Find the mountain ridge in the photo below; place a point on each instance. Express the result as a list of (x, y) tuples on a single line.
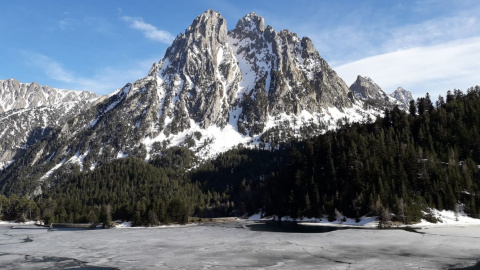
[(29, 111)]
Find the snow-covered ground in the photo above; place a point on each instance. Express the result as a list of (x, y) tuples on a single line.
[(448, 217), (232, 245), (445, 218), (340, 221)]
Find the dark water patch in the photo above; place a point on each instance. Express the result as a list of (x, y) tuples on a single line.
[(293, 227), (29, 227), (71, 229), (95, 268), (299, 227), (74, 225)]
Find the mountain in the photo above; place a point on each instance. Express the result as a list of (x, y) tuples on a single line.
[(16, 95), (30, 111), (365, 88), (371, 94), (213, 90), (402, 95), (264, 96)]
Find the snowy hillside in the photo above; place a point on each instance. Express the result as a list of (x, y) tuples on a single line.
[(29, 112)]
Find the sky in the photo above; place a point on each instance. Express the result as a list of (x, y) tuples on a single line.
[(420, 45)]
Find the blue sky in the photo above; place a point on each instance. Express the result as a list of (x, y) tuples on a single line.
[(421, 45)]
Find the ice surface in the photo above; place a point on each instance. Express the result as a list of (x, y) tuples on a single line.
[(232, 245)]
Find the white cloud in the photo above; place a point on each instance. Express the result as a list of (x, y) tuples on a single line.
[(432, 32), (150, 31), (52, 69), (434, 69), (357, 36), (98, 24), (104, 80)]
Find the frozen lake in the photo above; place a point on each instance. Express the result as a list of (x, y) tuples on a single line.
[(234, 245)]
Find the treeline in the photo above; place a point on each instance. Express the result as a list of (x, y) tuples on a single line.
[(126, 189), (18, 208)]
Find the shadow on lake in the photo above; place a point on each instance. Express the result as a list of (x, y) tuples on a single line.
[(299, 227), (293, 227)]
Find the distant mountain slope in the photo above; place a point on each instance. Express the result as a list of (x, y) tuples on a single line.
[(30, 111), (16, 95), (402, 95), (367, 90)]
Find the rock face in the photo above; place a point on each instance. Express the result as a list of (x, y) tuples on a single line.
[(198, 76), (281, 73), (213, 89), (365, 88), (402, 95)]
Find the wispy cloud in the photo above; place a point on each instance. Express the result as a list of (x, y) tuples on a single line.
[(353, 38), (433, 69), (52, 69), (104, 80), (97, 24), (432, 32), (148, 30)]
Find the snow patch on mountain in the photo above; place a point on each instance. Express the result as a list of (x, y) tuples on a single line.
[(5, 164), (78, 158)]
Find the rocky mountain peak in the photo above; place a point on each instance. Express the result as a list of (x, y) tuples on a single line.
[(209, 24), (402, 95), (370, 93), (251, 22), (197, 78), (365, 88)]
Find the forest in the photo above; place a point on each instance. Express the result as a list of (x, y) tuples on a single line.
[(396, 167)]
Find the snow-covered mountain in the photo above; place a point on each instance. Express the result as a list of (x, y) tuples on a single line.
[(402, 95), (213, 89), (29, 111), (365, 89), (16, 95)]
